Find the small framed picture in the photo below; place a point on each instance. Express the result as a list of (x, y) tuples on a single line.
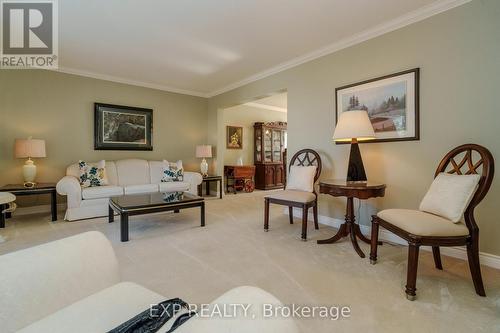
[(118, 127), (391, 102), (234, 137)]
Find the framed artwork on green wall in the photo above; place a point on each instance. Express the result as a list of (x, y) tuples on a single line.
[(392, 103), (118, 127)]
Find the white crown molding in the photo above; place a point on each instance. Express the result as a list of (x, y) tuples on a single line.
[(486, 259), (117, 79), (378, 30), (266, 107)]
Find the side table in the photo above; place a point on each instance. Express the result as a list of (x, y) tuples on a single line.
[(351, 190), (39, 188), (207, 180)]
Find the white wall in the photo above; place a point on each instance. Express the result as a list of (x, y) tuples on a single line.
[(245, 116)]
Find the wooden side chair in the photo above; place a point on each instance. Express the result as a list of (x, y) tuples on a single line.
[(304, 199), (424, 229)]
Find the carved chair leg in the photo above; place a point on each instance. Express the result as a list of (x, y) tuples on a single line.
[(475, 268), (411, 277), (266, 214), (290, 214), (315, 214), (374, 241), (304, 222), (437, 257)]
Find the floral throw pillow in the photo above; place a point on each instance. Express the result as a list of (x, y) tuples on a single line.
[(172, 172), (92, 174)]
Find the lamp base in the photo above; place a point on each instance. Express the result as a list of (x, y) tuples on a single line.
[(204, 168), (356, 170), (29, 172)]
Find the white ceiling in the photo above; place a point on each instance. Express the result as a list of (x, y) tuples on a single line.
[(276, 102), (204, 47)]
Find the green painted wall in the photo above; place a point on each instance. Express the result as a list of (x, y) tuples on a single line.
[(458, 52), (59, 108)]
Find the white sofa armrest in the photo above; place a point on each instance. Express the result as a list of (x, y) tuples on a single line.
[(70, 187), (194, 179), (41, 280), (256, 320)]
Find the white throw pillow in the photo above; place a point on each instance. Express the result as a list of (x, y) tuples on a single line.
[(301, 178), (449, 195), (172, 172)]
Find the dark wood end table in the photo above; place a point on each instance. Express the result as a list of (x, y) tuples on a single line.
[(207, 180), (39, 188), (351, 190)]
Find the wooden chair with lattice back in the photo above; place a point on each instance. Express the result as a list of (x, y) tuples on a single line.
[(297, 198), (424, 229)]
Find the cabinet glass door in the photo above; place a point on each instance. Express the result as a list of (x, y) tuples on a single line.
[(258, 145), (276, 146), (268, 148)]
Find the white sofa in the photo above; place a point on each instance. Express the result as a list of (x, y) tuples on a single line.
[(73, 285), (130, 176)]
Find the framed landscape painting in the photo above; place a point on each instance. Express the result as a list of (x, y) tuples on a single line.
[(391, 102), (118, 127), (234, 137)]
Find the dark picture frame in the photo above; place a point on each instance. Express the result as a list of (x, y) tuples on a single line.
[(234, 137), (395, 118), (119, 127)]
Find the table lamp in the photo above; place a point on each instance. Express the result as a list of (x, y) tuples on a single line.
[(204, 151), (29, 148), (353, 126)]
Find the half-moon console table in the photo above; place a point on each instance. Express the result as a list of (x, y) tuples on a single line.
[(351, 190)]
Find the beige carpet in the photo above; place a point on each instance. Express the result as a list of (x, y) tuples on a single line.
[(172, 255)]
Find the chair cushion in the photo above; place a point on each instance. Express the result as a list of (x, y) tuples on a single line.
[(449, 195), (138, 189), (174, 186), (301, 178), (98, 192), (422, 223), (6, 197), (99, 312), (256, 320), (293, 195)]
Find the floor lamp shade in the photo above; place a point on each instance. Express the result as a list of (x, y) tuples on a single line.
[(353, 126), (29, 148), (204, 151)]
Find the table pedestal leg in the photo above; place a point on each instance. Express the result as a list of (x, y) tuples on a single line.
[(349, 228)]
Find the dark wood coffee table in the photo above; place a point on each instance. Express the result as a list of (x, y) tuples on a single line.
[(140, 204)]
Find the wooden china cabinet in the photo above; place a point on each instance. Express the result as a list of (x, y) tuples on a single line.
[(270, 143)]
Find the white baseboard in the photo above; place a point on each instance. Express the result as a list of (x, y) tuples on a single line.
[(487, 259)]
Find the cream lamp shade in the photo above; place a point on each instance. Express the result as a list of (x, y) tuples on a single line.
[(203, 151), (353, 124), (28, 148)]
